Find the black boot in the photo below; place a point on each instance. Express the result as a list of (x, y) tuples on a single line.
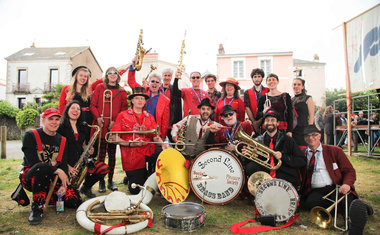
[(102, 186), (358, 217), (125, 180), (36, 215), (111, 186), (87, 191)]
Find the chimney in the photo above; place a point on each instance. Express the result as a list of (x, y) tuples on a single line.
[(33, 46), (316, 57), (151, 56), (221, 49)]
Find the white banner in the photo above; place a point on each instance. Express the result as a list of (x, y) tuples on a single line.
[(363, 50)]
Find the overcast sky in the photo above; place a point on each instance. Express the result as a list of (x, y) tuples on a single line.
[(111, 29)]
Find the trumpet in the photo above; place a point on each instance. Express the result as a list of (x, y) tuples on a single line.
[(322, 217), (254, 151), (109, 139)]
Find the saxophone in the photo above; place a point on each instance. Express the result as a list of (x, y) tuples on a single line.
[(81, 165), (180, 61), (140, 52), (180, 145)]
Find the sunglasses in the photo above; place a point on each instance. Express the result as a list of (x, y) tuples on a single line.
[(155, 81), (311, 135), (227, 114), (109, 73), (196, 77)]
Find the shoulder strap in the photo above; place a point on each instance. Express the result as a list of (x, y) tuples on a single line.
[(61, 149), (40, 149)]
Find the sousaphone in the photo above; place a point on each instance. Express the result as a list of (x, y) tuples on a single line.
[(172, 176)]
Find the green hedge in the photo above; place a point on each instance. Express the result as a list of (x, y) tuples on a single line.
[(42, 108), (26, 118), (7, 109)]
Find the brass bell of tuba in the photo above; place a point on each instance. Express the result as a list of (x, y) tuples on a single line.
[(255, 151)]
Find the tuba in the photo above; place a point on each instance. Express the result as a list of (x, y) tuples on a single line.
[(81, 164), (255, 151), (140, 52)]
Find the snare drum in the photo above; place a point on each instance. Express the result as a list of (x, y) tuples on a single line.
[(183, 217), (216, 176), (277, 197)]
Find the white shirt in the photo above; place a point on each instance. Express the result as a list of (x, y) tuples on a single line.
[(320, 177)]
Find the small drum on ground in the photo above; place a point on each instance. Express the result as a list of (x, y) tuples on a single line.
[(277, 197), (183, 217), (216, 176)]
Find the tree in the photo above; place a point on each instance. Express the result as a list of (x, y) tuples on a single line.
[(53, 96)]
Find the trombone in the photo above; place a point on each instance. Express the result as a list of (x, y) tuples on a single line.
[(322, 217), (107, 98), (108, 136)]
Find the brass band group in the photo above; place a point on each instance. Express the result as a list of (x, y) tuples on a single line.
[(264, 137)]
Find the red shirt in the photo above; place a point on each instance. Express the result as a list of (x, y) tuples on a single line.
[(191, 100), (237, 104), (251, 98), (133, 158)]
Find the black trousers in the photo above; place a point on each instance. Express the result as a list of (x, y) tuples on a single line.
[(314, 198)]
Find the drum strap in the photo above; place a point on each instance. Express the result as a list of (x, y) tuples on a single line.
[(237, 228)]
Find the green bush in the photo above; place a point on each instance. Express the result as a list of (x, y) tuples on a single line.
[(7, 109), (42, 108), (30, 105), (26, 118)]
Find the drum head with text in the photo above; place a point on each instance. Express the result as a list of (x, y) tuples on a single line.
[(216, 176), (277, 197)]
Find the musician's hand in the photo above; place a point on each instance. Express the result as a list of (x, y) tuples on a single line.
[(63, 177), (244, 150), (62, 190), (175, 139), (345, 188), (277, 155), (265, 110), (138, 144), (165, 146), (134, 61), (100, 121), (178, 74), (230, 147), (214, 128), (72, 171), (53, 163), (111, 125), (289, 134)]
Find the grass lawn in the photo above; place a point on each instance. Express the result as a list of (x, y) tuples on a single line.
[(13, 218)]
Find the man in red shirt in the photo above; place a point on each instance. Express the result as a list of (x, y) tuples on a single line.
[(193, 96), (251, 96)]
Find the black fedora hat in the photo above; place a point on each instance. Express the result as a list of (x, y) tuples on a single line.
[(139, 90), (311, 129), (81, 67), (207, 102), (227, 109), (271, 113)]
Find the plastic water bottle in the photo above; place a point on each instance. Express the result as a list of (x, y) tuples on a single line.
[(60, 204)]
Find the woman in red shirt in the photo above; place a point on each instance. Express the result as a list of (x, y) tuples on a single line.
[(230, 95)]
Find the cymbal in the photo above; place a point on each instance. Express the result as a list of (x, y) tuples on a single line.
[(256, 179)]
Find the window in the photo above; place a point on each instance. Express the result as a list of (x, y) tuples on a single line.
[(266, 65), (238, 69), (53, 78), (21, 102), (21, 83)]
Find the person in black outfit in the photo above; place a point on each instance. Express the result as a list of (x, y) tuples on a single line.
[(304, 106), (73, 129), (285, 149), (45, 156)]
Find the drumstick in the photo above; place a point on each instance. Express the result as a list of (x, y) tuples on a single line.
[(51, 189), (220, 127)]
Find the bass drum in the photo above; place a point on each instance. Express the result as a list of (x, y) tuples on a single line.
[(277, 197), (216, 176)]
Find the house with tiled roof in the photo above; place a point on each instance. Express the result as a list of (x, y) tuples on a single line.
[(31, 72)]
